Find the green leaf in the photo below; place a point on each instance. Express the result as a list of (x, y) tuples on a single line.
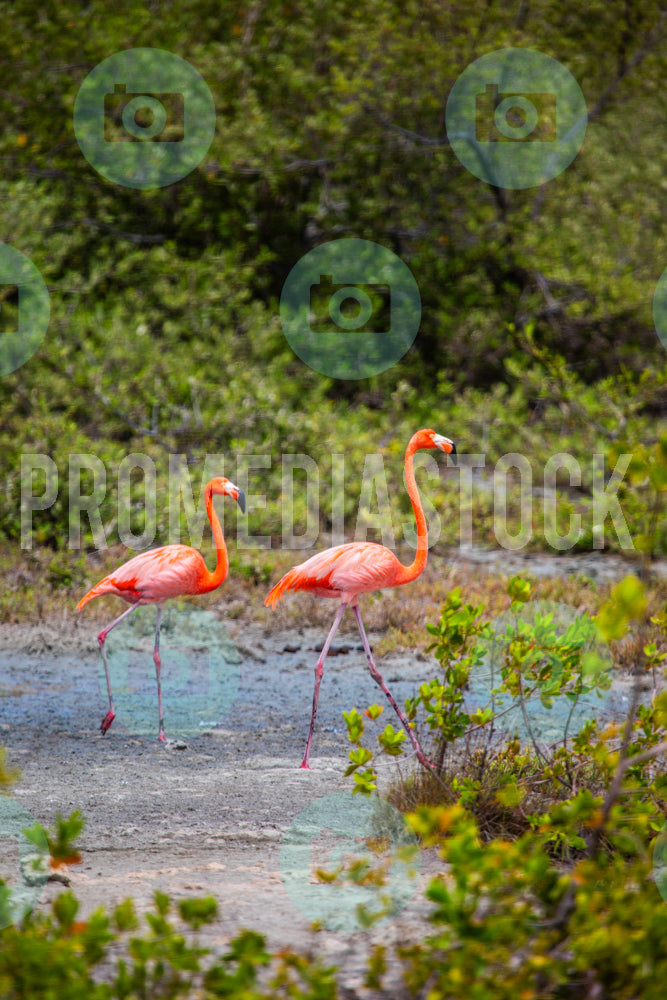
[(355, 725), (124, 916), (627, 602), (510, 795), (162, 902), (65, 909), (196, 912), (660, 710), (519, 589)]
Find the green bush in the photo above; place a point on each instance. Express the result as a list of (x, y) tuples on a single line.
[(551, 887)]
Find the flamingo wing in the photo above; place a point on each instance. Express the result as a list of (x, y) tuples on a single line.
[(155, 575), (353, 568)]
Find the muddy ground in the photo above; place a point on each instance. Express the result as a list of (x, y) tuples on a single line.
[(208, 812)]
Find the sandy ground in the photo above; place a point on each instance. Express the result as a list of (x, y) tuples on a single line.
[(209, 812), (213, 810)]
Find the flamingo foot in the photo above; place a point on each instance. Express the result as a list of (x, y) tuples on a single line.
[(305, 765), (106, 721), (162, 738)]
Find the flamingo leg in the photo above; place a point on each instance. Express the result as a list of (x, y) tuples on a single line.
[(319, 670), (102, 638), (377, 677), (158, 664)]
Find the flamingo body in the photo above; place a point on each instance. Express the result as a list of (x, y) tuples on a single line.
[(346, 571), (155, 576)]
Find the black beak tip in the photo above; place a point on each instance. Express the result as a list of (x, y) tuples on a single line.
[(453, 454), (241, 501)]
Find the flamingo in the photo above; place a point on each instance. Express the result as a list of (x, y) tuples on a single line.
[(345, 571), (154, 576)]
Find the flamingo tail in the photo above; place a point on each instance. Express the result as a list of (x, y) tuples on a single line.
[(290, 581), (107, 586)]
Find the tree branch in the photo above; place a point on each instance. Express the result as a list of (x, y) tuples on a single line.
[(651, 40)]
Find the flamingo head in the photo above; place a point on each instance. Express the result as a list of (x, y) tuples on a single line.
[(227, 487), (429, 439)]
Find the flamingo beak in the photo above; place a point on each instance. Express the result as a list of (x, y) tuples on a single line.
[(445, 445), (231, 490)]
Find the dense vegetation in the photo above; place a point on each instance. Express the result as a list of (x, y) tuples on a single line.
[(537, 333)]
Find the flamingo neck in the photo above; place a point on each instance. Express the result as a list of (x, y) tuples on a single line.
[(219, 574), (412, 571)]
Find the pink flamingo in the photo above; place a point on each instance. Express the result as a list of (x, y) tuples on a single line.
[(346, 571), (154, 576)]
